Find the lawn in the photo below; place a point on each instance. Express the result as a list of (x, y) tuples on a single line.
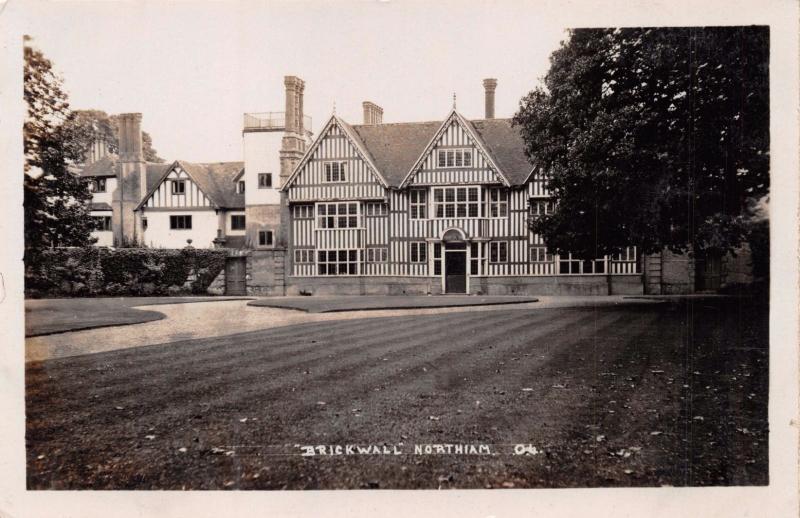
[(668, 394), (49, 316)]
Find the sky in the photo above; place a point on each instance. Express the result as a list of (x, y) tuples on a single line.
[(192, 69)]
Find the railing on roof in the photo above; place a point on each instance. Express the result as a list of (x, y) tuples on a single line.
[(271, 121)]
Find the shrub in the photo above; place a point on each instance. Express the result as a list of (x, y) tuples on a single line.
[(93, 271)]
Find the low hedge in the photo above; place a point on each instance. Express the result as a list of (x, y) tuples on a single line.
[(90, 271)]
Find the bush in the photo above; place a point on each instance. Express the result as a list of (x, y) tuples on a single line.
[(76, 272)]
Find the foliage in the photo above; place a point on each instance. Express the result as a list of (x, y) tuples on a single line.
[(56, 200), (653, 137), (90, 271), (97, 124)]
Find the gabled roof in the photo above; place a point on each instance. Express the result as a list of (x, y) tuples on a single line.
[(455, 116), (106, 166), (216, 180), (504, 142), (354, 138)]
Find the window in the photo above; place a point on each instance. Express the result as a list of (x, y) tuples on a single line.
[(178, 186), (377, 255), (240, 187), (102, 223), (541, 207), (264, 180), (303, 211), (437, 258), (419, 205), (539, 254), (180, 222), (567, 265), (144, 223), (237, 222), (456, 202), (337, 262), (454, 158), (377, 209), (474, 258), (498, 203), (335, 171), (304, 256), (99, 185), (498, 252), (419, 251), (337, 215), (264, 238)]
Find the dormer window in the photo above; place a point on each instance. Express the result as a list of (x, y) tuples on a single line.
[(240, 187), (179, 187), (454, 158), (335, 171)]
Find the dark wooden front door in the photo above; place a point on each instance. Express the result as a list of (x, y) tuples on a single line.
[(708, 271), (235, 271), (455, 271)]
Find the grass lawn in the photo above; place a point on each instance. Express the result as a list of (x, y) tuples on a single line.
[(367, 302), (48, 316), (647, 395)]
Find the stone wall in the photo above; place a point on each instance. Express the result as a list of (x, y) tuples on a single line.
[(557, 285), (677, 273), (266, 272)]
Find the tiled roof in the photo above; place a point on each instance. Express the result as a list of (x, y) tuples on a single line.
[(100, 206), (217, 181), (396, 147), (106, 166)]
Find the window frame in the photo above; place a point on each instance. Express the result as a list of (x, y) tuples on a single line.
[(377, 255), (265, 180), (328, 171), (495, 256), (304, 255), (99, 185), (175, 190), (323, 218), (534, 256), (455, 203), (102, 223), (267, 242), (499, 203), (175, 218), (454, 158), (240, 187), (418, 252), (376, 209), (418, 208), (303, 211), (333, 257), (235, 217), (549, 207)]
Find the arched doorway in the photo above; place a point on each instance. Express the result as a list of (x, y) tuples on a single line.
[(455, 262)]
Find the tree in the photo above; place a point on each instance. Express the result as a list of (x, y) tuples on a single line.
[(56, 200), (651, 137), (99, 124)]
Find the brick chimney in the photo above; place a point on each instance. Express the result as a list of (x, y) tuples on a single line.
[(373, 114), (293, 144), (489, 86), (132, 180)]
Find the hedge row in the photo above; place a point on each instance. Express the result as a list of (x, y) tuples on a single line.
[(75, 272)]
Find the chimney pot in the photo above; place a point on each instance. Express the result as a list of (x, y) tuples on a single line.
[(489, 86)]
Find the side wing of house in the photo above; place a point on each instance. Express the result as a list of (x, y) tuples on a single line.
[(177, 210)]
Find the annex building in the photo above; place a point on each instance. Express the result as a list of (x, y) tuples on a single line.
[(433, 207)]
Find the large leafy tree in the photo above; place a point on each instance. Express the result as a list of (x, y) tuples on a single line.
[(652, 137), (100, 125), (56, 200)]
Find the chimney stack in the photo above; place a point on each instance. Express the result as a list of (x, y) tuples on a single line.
[(373, 114), (130, 137), (293, 143), (489, 86)]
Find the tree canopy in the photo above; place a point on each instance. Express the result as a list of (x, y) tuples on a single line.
[(656, 137), (56, 200), (99, 124)]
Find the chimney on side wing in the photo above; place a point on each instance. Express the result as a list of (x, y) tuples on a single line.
[(373, 114), (489, 86)]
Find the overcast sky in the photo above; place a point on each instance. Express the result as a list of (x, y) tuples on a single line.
[(193, 69)]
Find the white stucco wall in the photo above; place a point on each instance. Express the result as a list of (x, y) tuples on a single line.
[(262, 155), (228, 230), (202, 233), (105, 197), (104, 237)]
